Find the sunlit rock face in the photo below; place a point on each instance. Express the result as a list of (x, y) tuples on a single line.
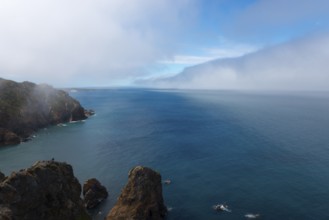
[(141, 198), (26, 107), (47, 190)]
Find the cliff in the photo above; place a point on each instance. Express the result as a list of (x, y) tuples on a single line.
[(141, 199), (47, 190), (26, 107)]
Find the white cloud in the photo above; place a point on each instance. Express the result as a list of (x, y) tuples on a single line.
[(101, 42), (226, 49), (297, 65), (84, 41), (187, 59)]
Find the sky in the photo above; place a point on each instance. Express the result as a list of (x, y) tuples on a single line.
[(194, 44)]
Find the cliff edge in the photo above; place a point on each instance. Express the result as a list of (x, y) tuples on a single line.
[(26, 107), (141, 199), (47, 190)]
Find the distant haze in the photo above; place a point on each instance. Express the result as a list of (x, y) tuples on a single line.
[(86, 42), (296, 65), (254, 44)]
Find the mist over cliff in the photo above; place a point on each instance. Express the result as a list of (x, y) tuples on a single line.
[(25, 107)]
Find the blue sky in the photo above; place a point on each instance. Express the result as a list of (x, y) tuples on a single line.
[(117, 42)]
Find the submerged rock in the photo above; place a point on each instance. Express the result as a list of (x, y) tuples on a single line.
[(141, 199), (93, 193), (47, 190)]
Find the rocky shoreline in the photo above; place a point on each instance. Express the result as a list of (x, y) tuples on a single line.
[(26, 107), (49, 190)]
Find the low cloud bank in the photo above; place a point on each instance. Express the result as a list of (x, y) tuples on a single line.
[(297, 65), (89, 42)]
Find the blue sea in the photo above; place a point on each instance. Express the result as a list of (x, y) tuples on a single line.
[(257, 152)]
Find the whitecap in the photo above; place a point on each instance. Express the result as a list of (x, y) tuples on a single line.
[(250, 215)]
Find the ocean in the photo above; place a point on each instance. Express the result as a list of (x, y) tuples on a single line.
[(257, 152)]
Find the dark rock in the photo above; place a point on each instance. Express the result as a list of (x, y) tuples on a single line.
[(47, 190), (141, 199), (2, 176), (26, 107), (8, 137), (93, 193)]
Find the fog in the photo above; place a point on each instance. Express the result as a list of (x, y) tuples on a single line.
[(90, 43), (87, 42), (297, 65)]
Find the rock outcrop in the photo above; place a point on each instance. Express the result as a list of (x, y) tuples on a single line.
[(93, 193), (26, 107), (47, 190), (2, 176), (8, 137), (141, 199)]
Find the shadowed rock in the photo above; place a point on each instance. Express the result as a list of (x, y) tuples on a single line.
[(141, 199), (47, 190), (8, 138), (26, 107), (93, 193), (2, 176)]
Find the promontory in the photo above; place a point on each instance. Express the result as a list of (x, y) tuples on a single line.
[(26, 107)]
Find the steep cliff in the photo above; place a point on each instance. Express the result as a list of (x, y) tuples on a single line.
[(47, 190), (25, 107), (141, 199)]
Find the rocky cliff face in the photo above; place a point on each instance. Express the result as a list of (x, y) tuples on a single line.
[(47, 190), (141, 199), (26, 107), (2, 176)]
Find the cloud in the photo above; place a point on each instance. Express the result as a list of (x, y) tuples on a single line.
[(296, 65), (101, 42), (228, 49), (84, 41)]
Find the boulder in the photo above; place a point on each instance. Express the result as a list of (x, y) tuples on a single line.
[(47, 190), (93, 193), (141, 199)]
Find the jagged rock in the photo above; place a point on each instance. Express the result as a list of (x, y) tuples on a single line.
[(47, 190), (26, 107), (93, 193), (2, 176), (141, 199)]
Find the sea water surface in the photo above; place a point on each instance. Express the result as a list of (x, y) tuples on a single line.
[(265, 153)]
